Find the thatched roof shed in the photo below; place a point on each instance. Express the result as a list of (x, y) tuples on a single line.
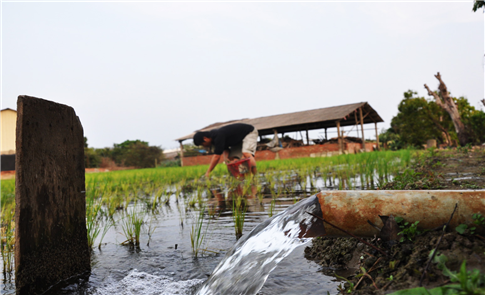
[(331, 117)]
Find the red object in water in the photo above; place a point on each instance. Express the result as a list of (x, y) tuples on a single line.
[(239, 169)]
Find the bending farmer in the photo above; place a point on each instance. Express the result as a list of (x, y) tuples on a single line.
[(229, 141)]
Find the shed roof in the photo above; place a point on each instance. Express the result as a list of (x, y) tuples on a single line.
[(304, 120)]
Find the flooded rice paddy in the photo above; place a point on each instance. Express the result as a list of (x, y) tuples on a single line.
[(164, 230)]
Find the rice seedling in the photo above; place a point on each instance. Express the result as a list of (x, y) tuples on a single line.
[(92, 225), (131, 225), (238, 214), (106, 226), (303, 182), (151, 229), (181, 215), (272, 207), (7, 238), (197, 232), (154, 202)]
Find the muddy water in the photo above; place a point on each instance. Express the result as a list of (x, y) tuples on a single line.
[(164, 263)]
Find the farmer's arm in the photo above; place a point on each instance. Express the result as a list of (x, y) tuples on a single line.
[(215, 159)]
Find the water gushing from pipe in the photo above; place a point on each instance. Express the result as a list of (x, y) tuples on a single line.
[(248, 264)]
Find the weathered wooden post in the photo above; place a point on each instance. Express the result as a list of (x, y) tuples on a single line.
[(339, 140), (50, 213), (181, 154), (377, 137), (307, 137), (362, 127)]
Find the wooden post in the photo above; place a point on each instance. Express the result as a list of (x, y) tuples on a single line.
[(307, 137), (326, 134), (181, 154), (51, 242), (362, 128), (377, 138), (342, 142), (277, 138), (356, 123), (338, 136)]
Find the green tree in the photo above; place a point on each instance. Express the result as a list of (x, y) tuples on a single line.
[(478, 4), (142, 155), (136, 153), (420, 119), (120, 149), (473, 119), (91, 158), (416, 120)]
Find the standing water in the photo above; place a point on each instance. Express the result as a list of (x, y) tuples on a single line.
[(244, 269), (164, 264), (248, 264)]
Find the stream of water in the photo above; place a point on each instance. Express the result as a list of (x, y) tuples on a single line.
[(248, 264)]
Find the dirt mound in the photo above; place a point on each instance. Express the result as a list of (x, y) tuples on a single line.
[(366, 271), (404, 265)]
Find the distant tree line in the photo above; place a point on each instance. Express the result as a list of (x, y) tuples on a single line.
[(420, 119), (130, 153)]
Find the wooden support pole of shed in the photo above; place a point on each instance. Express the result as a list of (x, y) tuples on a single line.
[(307, 137), (338, 136), (277, 138), (326, 134), (181, 154), (377, 137), (356, 123), (362, 128), (342, 143)]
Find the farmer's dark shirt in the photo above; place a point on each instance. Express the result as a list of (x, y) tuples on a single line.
[(229, 135)]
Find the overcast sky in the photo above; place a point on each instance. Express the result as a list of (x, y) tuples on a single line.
[(157, 71)]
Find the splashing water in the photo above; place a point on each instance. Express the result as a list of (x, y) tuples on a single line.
[(248, 264), (138, 282)]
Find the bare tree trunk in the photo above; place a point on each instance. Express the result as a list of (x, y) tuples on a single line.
[(444, 100)]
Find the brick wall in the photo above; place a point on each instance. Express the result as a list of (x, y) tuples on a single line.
[(198, 160), (288, 153)]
